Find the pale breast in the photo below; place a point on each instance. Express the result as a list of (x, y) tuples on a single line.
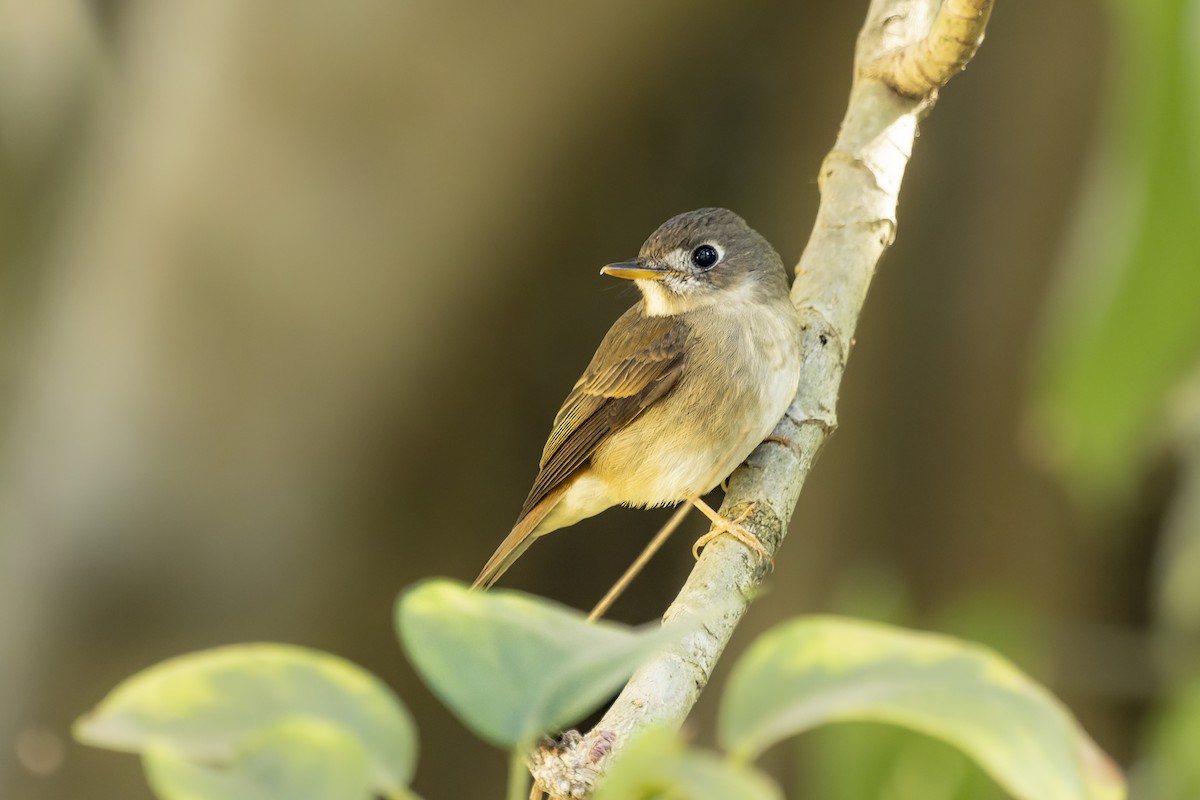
[(740, 374)]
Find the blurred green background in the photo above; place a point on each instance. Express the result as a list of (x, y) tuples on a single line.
[(290, 292)]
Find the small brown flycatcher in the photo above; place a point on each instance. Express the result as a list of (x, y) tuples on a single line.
[(685, 384)]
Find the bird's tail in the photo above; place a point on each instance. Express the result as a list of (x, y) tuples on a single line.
[(517, 541)]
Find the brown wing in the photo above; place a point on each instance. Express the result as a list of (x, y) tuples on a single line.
[(638, 362)]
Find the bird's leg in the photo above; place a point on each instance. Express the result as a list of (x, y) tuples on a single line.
[(638, 563), (731, 526)]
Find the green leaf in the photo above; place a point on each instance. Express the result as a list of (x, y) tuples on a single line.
[(824, 669), (857, 760), (513, 666), (207, 705), (658, 765), (300, 759), (173, 777)]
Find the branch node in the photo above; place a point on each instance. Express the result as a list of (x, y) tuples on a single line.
[(820, 332), (919, 69), (564, 768)]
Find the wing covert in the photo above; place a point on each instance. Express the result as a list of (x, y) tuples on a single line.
[(638, 362)]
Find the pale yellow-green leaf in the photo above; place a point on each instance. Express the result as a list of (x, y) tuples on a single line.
[(513, 666), (173, 777), (207, 705), (298, 759), (816, 670)]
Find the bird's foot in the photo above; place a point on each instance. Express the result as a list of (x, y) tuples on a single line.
[(733, 527)]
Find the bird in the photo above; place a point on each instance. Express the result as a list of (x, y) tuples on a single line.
[(682, 388)]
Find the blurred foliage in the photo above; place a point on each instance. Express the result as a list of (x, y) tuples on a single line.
[(658, 765), (515, 667), (298, 759), (1172, 772), (1117, 393), (290, 724), (1125, 331), (815, 670), (871, 761), (273, 717), (1177, 578)]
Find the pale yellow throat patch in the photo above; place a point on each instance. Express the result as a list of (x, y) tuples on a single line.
[(659, 301), (662, 302)]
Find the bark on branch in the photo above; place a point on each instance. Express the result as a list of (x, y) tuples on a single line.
[(919, 69), (906, 50)]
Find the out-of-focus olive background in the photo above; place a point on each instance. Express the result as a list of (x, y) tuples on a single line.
[(290, 293)]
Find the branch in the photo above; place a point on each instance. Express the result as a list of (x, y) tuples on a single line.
[(901, 59), (918, 70)]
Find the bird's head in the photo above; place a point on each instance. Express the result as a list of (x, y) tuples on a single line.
[(700, 258)]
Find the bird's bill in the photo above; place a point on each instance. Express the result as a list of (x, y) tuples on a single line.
[(634, 271)]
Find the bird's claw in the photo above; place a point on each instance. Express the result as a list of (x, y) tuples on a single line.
[(734, 528), (786, 442)]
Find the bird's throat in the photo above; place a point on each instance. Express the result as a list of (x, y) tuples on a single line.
[(660, 301)]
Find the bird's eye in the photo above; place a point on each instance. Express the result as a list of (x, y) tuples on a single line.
[(705, 256)]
